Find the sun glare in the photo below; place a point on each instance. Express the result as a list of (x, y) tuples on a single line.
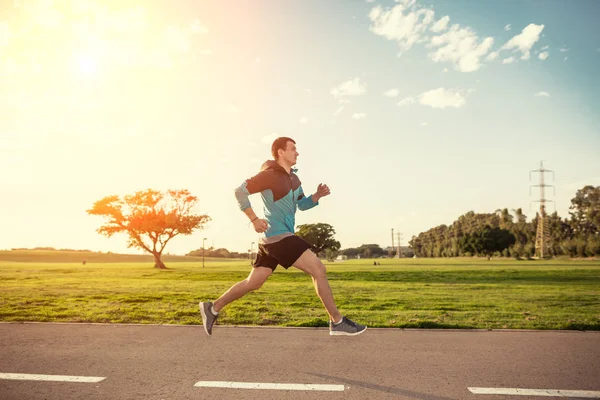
[(86, 66)]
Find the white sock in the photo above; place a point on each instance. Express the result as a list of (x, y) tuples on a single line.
[(339, 322), (212, 310)]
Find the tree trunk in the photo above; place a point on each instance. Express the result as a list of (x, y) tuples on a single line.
[(158, 262)]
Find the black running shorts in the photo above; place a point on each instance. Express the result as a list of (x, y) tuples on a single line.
[(284, 252)]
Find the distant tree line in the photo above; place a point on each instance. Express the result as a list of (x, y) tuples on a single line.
[(47, 249), (504, 234), (217, 253), (375, 251), (364, 251)]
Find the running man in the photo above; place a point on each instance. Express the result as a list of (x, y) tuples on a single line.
[(282, 193)]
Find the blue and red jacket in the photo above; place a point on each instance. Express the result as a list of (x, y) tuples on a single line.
[(281, 194)]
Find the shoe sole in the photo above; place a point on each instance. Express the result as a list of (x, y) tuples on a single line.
[(340, 333), (203, 318)]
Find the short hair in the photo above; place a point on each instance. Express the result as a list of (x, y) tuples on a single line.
[(280, 143)]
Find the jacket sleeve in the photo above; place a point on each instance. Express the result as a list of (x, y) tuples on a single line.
[(305, 203), (257, 183)]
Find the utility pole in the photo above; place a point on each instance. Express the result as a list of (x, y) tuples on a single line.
[(399, 253), (542, 236), (392, 250), (203, 240)]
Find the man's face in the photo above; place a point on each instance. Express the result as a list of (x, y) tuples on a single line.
[(290, 155)]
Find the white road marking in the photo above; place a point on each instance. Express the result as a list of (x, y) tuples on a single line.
[(588, 394), (54, 378), (272, 386)]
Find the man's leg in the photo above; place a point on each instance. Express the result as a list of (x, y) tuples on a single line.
[(310, 263), (338, 325), (210, 311), (254, 281)]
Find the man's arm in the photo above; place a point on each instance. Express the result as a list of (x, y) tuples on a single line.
[(260, 225), (306, 203), (256, 184)]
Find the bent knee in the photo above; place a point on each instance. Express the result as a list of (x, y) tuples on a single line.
[(319, 270), (253, 285)]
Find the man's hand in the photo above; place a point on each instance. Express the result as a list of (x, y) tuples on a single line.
[(260, 225), (322, 191)]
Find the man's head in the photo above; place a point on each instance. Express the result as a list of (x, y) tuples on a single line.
[(284, 151)]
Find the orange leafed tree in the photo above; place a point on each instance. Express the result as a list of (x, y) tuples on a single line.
[(150, 218)]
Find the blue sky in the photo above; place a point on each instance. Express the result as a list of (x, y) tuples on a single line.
[(412, 112)]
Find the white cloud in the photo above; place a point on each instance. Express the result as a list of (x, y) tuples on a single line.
[(545, 47), (408, 23), (508, 60), (564, 49), (445, 69), (349, 88), (525, 40), (407, 3), (344, 101), (460, 46), (442, 98), (392, 93), (441, 24), (566, 58), (303, 120), (424, 124), (370, 1), (492, 56), (339, 110), (542, 94), (270, 138), (393, 24), (406, 101), (359, 115), (543, 55), (197, 27)]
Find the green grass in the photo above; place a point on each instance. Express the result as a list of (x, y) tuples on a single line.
[(424, 293)]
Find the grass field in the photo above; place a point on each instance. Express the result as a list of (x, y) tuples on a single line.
[(426, 293)]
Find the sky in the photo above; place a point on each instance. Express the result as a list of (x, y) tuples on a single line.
[(412, 112)]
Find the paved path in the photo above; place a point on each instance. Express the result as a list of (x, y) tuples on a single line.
[(166, 362)]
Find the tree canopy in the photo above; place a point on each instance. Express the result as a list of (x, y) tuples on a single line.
[(320, 236), (149, 218), (487, 241)]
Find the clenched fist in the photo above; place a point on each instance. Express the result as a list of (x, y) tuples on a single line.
[(260, 225), (322, 191)]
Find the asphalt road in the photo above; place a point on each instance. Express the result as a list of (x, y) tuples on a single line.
[(165, 362)]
